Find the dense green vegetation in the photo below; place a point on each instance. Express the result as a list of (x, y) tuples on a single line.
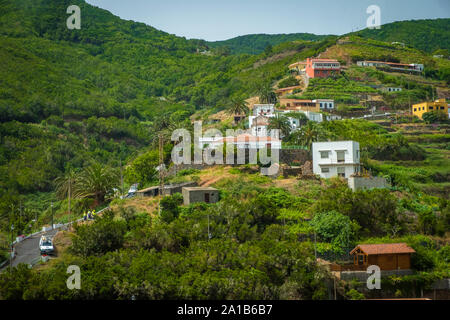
[(85, 108), (428, 35), (244, 247), (259, 43)]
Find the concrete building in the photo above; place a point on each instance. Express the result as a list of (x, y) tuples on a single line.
[(424, 107), (169, 189), (148, 192), (322, 68), (336, 158), (200, 194)]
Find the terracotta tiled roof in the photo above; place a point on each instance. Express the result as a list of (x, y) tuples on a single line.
[(386, 248), (248, 138)]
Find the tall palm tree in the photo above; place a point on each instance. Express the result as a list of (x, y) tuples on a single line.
[(65, 187), (281, 123), (266, 94), (237, 106), (96, 181), (311, 132)]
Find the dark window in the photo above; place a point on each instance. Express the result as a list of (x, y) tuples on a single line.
[(207, 197)]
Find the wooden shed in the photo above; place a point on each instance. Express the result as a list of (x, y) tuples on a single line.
[(389, 256)]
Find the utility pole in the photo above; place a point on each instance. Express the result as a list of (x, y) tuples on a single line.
[(315, 245), (70, 195), (161, 177), (121, 178), (20, 215), (209, 233), (11, 249), (51, 205)]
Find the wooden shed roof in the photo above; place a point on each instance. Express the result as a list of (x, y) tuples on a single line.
[(386, 248)]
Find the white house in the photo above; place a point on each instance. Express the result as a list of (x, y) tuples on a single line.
[(336, 158), (265, 110), (259, 126), (325, 103), (391, 89)]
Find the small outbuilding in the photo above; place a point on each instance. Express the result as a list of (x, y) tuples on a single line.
[(389, 256), (171, 189), (148, 192), (200, 194)]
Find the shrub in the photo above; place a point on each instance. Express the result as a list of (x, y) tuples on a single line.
[(104, 235)]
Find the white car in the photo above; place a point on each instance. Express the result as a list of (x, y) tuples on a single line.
[(46, 246)]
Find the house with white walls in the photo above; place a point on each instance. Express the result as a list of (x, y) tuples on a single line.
[(259, 126), (261, 110), (325, 104), (336, 158)]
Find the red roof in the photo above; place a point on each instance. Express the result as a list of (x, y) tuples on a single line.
[(386, 248), (248, 138)]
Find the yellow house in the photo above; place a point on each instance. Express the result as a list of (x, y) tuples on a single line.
[(424, 107)]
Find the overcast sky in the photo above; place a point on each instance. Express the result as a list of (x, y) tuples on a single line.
[(223, 19)]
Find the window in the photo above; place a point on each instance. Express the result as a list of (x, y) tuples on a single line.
[(431, 108), (341, 172), (324, 154), (340, 156), (325, 170), (442, 108)]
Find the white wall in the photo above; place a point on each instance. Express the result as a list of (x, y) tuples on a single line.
[(351, 160)]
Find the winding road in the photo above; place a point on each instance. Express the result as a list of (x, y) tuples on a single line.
[(27, 251)]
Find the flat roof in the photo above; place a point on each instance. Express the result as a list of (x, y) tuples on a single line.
[(200, 189), (147, 189)]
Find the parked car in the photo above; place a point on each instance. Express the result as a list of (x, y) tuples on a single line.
[(46, 246)]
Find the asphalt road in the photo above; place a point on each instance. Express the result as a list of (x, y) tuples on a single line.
[(27, 251)]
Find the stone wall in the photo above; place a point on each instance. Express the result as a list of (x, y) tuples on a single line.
[(294, 157)]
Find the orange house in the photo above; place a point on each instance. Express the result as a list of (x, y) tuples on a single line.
[(322, 68)]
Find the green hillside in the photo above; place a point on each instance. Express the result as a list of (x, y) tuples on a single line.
[(257, 43), (426, 35)]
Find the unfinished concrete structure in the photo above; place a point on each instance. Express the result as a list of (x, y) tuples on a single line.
[(168, 190), (200, 194), (367, 183), (171, 189)]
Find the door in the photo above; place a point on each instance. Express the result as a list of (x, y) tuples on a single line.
[(207, 197)]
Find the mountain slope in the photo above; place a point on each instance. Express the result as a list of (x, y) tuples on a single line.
[(257, 43), (426, 35)]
